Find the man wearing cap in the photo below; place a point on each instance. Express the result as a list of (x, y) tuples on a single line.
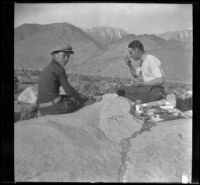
[(52, 77), (148, 78)]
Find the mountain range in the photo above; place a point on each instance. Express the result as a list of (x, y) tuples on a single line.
[(100, 50), (105, 35), (185, 35)]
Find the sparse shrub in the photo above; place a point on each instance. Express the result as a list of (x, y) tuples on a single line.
[(110, 87), (85, 88), (23, 111), (94, 90), (35, 72), (85, 78), (16, 83), (29, 112), (17, 116)]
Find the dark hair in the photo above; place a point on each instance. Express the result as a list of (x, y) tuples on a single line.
[(136, 44)]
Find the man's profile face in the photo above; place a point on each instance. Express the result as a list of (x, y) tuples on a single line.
[(62, 58), (134, 53)]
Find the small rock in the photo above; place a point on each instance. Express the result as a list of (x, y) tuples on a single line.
[(29, 95)]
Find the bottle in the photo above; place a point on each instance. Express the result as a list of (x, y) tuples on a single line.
[(133, 107), (138, 106)]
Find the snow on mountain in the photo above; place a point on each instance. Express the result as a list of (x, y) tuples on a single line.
[(185, 35), (105, 35)]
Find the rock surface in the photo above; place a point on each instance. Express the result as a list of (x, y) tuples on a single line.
[(101, 143), (115, 119), (162, 155), (29, 95), (65, 148)]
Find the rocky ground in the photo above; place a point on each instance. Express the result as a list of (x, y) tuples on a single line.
[(102, 142)]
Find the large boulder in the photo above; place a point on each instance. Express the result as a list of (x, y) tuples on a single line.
[(102, 142), (162, 155), (115, 119), (67, 147)]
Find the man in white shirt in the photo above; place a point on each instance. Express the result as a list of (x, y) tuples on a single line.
[(148, 78)]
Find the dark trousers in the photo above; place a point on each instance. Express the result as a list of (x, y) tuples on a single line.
[(143, 93), (65, 105)]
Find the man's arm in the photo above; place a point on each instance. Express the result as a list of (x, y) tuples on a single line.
[(133, 71), (69, 90), (156, 81), (131, 68)]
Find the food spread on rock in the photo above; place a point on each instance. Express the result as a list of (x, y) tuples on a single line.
[(156, 111)]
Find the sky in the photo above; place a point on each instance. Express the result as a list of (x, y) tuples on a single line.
[(137, 18)]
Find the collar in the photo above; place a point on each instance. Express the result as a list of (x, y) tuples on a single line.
[(55, 62)]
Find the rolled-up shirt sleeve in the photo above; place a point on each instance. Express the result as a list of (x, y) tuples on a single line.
[(69, 90)]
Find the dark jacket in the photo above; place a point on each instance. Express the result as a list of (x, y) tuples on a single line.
[(52, 77)]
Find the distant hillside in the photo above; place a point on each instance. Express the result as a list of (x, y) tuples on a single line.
[(33, 44), (183, 36), (105, 35), (26, 31)]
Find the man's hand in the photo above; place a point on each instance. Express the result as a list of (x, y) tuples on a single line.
[(131, 68), (135, 80), (127, 61), (138, 83), (132, 82)]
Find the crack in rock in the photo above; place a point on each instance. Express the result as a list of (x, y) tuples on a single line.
[(31, 177), (34, 176), (125, 147)]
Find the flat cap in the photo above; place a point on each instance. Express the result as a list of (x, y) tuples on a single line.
[(63, 48)]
